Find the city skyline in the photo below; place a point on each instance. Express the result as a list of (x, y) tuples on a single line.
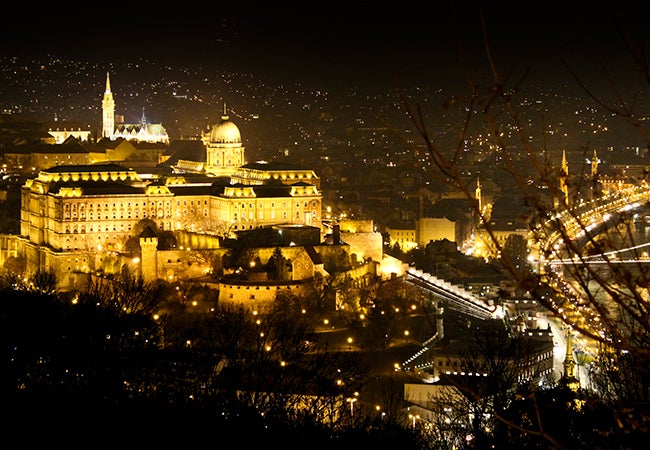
[(370, 250)]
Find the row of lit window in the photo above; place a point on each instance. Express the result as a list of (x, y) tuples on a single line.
[(82, 230), (284, 205), (82, 206), (136, 215), (261, 215)]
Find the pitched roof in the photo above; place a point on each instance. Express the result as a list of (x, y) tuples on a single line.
[(97, 188), (313, 254), (148, 232), (101, 167)]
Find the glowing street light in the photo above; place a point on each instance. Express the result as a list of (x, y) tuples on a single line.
[(351, 402), (414, 418)]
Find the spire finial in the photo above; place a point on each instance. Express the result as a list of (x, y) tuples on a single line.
[(108, 83)]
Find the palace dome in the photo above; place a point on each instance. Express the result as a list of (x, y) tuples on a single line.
[(225, 132)]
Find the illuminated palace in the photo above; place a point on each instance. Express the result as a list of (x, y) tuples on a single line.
[(76, 219)]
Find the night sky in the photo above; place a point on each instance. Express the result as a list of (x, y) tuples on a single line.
[(339, 42)]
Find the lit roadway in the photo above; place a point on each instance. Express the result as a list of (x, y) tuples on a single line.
[(580, 223), (546, 242), (546, 239)]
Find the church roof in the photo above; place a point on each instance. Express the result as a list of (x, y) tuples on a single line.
[(150, 129)]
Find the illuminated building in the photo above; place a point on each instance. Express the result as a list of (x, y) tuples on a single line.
[(81, 219), (60, 136), (32, 158), (224, 149), (113, 129), (74, 218), (403, 234), (114, 211)]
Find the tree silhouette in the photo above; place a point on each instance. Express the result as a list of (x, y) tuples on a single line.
[(261, 379), (515, 250), (43, 281), (277, 266)]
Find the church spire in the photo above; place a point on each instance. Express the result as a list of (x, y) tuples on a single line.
[(108, 111), (108, 83)]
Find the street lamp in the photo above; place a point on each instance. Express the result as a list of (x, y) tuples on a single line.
[(351, 401)]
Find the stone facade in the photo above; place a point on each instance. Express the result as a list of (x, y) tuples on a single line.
[(84, 211)]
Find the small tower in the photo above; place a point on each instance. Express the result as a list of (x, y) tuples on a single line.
[(594, 165), (569, 376), (108, 111), (149, 257), (564, 178)]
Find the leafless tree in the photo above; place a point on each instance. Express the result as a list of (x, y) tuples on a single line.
[(128, 294), (608, 304)]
